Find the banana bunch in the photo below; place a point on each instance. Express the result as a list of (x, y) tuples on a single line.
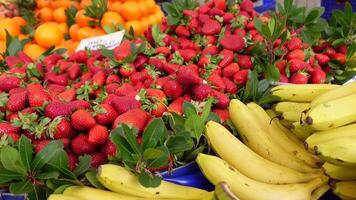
[(269, 163), (327, 124)]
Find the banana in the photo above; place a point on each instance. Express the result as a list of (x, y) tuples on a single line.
[(293, 116), (339, 172), (301, 93), (217, 170), (259, 141), (88, 193), (229, 148), (340, 151), (223, 192), (301, 131), (345, 190), (323, 136), (118, 179), (280, 137), (319, 192), (62, 197), (285, 106), (337, 93), (332, 114)]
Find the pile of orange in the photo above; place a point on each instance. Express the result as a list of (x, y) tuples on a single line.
[(52, 29)]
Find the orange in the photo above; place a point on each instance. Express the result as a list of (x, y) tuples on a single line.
[(59, 15), (99, 31), (111, 19), (85, 3), (42, 3), (158, 16), (144, 23), (136, 26), (63, 28), (2, 48), (82, 19), (73, 31), (22, 36), (34, 51), (19, 20), (151, 5), (130, 11), (116, 6), (10, 26), (151, 19), (48, 34), (45, 14), (85, 32), (144, 8)]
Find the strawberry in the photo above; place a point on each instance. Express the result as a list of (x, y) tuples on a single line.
[(54, 89), (283, 78), (14, 136), (60, 128), (136, 118), (67, 96), (98, 134), (230, 86), (109, 149), (241, 77), (244, 61), (6, 127), (341, 58), (211, 27), (182, 31), (41, 144), (24, 57), (296, 54), (217, 82), (73, 71), (211, 50), (17, 90), (156, 93), (173, 89), (281, 65), (186, 76), (99, 79), (187, 54), (57, 79), (215, 12), (72, 161), (220, 4), (80, 145), (137, 77), (97, 159), (124, 89), (123, 50), (228, 17), (318, 76), (37, 96), (230, 70), (322, 59), (17, 102), (82, 120), (232, 42), (203, 18), (157, 62), (222, 113), (158, 109), (123, 104), (51, 59), (294, 43), (55, 109), (126, 70), (112, 78), (79, 104), (177, 105), (246, 5), (329, 51), (221, 98), (193, 25), (106, 114), (9, 82), (203, 60), (239, 31), (228, 58), (163, 50), (171, 68), (299, 78), (203, 9), (201, 91), (296, 65), (342, 49)]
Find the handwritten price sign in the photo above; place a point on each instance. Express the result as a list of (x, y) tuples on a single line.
[(110, 41)]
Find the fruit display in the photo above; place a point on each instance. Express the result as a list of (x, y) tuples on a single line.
[(261, 104)]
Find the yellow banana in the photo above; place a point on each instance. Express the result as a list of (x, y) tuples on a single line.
[(280, 137), (223, 192), (118, 179), (301, 131), (340, 151), (332, 114), (337, 93), (340, 173), (229, 148), (88, 193), (323, 136), (345, 190), (319, 192), (285, 106), (259, 140), (62, 197), (217, 170), (301, 93), (293, 116)]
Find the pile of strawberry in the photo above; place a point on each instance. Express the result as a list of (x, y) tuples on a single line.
[(79, 98)]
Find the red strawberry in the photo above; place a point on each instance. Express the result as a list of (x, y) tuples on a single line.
[(281, 65), (211, 50), (99, 78), (182, 31), (221, 98), (318, 76), (211, 27), (123, 104), (15, 137), (228, 58), (9, 82), (171, 68), (123, 50), (17, 102), (60, 128), (220, 4), (296, 54), (82, 120), (239, 31), (241, 77), (187, 76), (79, 56), (217, 82), (296, 65), (37, 96), (17, 90), (247, 5), (112, 87), (322, 59), (230, 86), (80, 145), (97, 159), (106, 114), (216, 12), (112, 78), (172, 89), (187, 54), (140, 61), (127, 69), (163, 50), (24, 57), (73, 71), (283, 78), (41, 144), (342, 49), (79, 104), (232, 42), (136, 118), (109, 149), (244, 61), (124, 89), (6, 127), (203, 9), (294, 43), (201, 91), (158, 109), (55, 109), (51, 59), (98, 134), (341, 58), (72, 161), (177, 105), (157, 62), (329, 51), (67, 96), (299, 78), (203, 60), (13, 61), (230, 70), (57, 79), (137, 77), (222, 113), (54, 89)]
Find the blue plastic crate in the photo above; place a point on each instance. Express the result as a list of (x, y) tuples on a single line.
[(264, 5), (331, 5)]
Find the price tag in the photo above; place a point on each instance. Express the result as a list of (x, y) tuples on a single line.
[(110, 41)]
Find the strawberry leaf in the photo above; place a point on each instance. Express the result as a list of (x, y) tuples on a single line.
[(7, 176), (26, 151), (70, 14), (21, 187), (91, 177), (195, 126), (83, 165), (149, 180), (11, 160), (153, 133), (189, 109), (47, 154), (179, 144)]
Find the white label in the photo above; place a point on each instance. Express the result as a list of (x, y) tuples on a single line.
[(351, 80), (110, 41), (258, 3)]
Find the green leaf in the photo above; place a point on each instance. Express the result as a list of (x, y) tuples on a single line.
[(207, 109), (121, 144), (37, 193), (158, 161), (46, 154), (258, 24), (213, 117), (83, 165), (11, 160), (153, 133), (268, 99), (189, 109), (21, 187), (178, 144), (251, 89), (7, 176), (149, 180), (91, 177), (314, 14), (348, 10), (195, 126), (272, 73), (130, 136), (288, 4), (60, 159), (157, 35), (152, 153), (48, 175), (26, 151), (61, 189)]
